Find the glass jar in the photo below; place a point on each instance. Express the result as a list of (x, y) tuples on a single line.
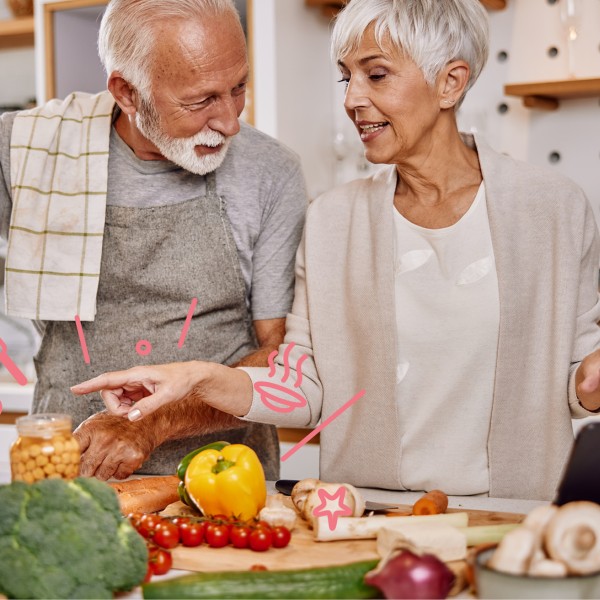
[(45, 449)]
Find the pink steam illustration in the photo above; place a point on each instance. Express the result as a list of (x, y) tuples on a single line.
[(278, 397)]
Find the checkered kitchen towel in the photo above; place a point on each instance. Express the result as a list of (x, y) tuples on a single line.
[(59, 173)]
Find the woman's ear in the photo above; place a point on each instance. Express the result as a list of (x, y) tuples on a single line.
[(123, 92), (452, 83)]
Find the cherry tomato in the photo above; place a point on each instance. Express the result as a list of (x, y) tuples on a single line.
[(281, 537), (217, 536), (147, 524), (262, 524), (148, 574), (191, 534), (161, 562), (135, 518), (240, 536), (166, 535), (260, 539)]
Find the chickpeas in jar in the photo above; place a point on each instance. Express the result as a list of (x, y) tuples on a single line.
[(45, 449)]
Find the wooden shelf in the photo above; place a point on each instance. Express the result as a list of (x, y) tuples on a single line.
[(330, 8), (16, 32), (545, 95)]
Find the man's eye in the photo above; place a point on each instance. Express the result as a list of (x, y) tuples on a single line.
[(240, 89)]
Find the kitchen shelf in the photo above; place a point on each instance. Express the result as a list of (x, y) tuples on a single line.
[(16, 32), (330, 8), (545, 95)]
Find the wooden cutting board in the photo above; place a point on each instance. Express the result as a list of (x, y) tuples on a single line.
[(303, 551)]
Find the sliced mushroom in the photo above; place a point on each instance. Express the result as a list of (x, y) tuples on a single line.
[(573, 537), (515, 551), (301, 491), (539, 517), (547, 568)]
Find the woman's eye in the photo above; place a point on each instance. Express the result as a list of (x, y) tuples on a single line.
[(344, 80), (376, 76)]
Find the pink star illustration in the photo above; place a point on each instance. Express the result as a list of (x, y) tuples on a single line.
[(332, 515)]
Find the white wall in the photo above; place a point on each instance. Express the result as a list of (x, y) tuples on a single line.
[(292, 77)]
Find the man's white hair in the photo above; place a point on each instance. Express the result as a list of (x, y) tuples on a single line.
[(127, 33), (430, 32)]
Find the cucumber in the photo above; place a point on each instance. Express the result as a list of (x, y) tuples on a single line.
[(343, 581), (185, 461)]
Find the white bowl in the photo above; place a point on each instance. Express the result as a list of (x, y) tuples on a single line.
[(495, 584)]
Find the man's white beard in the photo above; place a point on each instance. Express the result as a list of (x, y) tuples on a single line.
[(181, 151)]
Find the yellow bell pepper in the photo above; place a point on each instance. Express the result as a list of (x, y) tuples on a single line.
[(230, 481)]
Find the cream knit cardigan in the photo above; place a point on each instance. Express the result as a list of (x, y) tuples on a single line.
[(546, 247)]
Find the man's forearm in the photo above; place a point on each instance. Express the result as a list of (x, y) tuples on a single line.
[(258, 358), (187, 418)]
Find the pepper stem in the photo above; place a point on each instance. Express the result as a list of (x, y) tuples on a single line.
[(222, 465)]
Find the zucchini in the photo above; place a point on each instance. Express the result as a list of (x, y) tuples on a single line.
[(343, 581), (185, 461)]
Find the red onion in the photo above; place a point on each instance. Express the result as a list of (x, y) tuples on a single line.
[(408, 575)]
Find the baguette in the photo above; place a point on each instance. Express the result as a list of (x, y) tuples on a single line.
[(149, 494)]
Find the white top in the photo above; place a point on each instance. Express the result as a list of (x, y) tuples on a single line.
[(447, 318)]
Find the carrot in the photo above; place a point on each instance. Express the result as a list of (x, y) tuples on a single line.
[(434, 502)]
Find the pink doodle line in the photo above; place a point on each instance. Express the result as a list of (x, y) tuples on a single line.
[(84, 349), (322, 426), (10, 366), (286, 362), (187, 323)]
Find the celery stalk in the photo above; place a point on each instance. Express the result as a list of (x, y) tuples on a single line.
[(486, 534)]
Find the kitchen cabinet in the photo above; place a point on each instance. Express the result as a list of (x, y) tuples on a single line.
[(545, 95), (16, 33)]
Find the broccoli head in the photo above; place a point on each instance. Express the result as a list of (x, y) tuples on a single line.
[(66, 539)]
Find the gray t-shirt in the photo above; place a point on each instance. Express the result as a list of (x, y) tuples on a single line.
[(261, 181)]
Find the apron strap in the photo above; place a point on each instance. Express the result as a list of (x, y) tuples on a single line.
[(211, 184)]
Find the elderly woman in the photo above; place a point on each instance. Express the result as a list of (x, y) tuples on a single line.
[(456, 287)]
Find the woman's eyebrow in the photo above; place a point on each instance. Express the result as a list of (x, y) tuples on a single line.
[(365, 59)]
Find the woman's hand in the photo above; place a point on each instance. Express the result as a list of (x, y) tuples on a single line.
[(142, 390), (587, 381)]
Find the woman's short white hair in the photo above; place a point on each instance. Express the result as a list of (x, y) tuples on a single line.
[(430, 32), (127, 35)]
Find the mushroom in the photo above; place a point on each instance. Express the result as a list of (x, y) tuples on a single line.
[(305, 496), (515, 551), (573, 537), (539, 517), (301, 491), (547, 568)]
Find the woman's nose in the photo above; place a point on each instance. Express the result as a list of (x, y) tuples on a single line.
[(356, 96)]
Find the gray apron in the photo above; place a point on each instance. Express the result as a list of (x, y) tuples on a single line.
[(154, 261)]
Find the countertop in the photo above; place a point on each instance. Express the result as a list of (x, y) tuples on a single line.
[(392, 497)]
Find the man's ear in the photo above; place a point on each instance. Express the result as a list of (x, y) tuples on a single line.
[(123, 92), (452, 82)]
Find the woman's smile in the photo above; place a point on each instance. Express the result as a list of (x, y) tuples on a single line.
[(370, 130)]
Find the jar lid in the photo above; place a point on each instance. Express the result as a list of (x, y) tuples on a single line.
[(43, 424)]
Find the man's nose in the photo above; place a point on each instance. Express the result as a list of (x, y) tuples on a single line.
[(225, 119)]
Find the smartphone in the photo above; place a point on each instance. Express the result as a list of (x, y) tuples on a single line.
[(581, 477)]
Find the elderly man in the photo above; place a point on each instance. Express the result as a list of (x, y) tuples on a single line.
[(146, 224)]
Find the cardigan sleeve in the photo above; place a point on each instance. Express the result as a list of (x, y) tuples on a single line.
[(296, 385), (588, 308)]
